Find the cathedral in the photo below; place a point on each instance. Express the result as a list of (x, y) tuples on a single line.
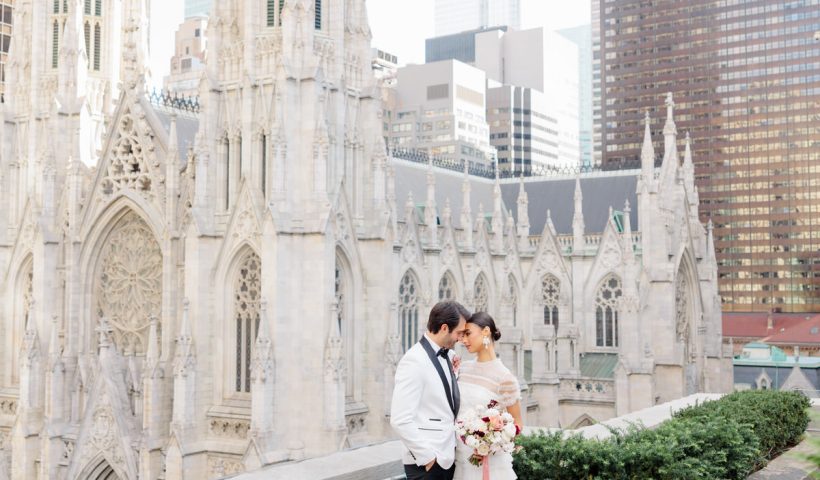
[(193, 289)]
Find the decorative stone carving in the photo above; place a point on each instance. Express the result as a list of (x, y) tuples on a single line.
[(611, 257), (128, 165), (229, 427), (682, 307), (8, 406), (481, 294), (448, 254), (129, 283), (334, 359), (447, 287), (219, 467)]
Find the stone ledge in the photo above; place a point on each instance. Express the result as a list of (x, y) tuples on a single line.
[(380, 461), (790, 465)]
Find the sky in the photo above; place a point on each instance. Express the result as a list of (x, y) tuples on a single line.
[(399, 26)]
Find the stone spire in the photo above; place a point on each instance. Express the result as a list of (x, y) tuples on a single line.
[(184, 373), (447, 214), (498, 214), (262, 398), (669, 167), (172, 175), (647, 156), (135, 44), (627, 234), (73, 61), (466, 213), (430, 208), (523, 216), (578, 219), (688, 171)]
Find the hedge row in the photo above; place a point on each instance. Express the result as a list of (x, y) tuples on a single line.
[(725, 439)]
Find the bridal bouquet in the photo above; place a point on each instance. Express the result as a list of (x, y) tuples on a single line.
[(487, 430)]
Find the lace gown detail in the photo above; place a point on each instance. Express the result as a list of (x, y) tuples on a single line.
[(480, 382)]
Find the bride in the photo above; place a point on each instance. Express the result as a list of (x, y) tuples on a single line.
[(480, 381)]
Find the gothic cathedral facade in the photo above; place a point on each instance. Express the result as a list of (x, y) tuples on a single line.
[(193, 290)]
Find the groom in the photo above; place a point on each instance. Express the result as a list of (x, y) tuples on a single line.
[(426, 398)]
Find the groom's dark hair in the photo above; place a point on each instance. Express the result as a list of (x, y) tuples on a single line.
[(446, 313)]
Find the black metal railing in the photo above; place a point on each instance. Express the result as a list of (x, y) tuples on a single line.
[(488, 171), (173, 100)]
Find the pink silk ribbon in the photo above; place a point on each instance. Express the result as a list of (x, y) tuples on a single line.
[(485, 468)]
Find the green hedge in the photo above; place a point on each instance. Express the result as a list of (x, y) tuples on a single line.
[(725, 439)]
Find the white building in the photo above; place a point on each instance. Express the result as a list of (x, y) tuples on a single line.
[(224, 288), (188, 62), (453, 16), (440, 108), (531, 58), (523, 132)]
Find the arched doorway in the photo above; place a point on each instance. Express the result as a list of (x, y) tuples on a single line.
[(102, 471)]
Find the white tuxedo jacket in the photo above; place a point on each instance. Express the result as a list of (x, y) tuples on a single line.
[(420, 413)]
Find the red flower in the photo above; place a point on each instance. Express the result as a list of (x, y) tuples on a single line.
[(485, 419), (517, 429)]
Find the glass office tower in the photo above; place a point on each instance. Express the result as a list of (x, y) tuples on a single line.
[(746, 79)]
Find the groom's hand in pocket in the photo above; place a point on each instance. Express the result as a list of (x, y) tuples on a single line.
[(430, 465)]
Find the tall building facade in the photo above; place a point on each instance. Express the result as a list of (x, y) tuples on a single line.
[(188, 61), (440, 108), (531, 59), (454, 16), (748, 76), (194, 8), (581, 36), (6, 22)]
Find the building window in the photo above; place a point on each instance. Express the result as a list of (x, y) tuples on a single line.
[(56, 8), (408, 311), (98, 8), (481, 294), (606, 312), (55, 39), (87, 7), (247, 293), (317, 15), (446, 288), (97, 50), (270, 13), (87, 34), (550, 291)]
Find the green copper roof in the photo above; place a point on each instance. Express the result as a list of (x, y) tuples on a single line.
[(598, 365)]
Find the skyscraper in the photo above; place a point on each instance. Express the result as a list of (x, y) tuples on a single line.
[(197, 7), (581, 36), (747, 74), (453, 16)]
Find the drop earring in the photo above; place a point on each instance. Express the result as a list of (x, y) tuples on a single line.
[(486, 342)]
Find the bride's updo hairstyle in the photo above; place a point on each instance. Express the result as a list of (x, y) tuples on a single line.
[(483, 319)]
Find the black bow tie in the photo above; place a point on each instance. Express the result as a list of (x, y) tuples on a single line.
[(442, 352)]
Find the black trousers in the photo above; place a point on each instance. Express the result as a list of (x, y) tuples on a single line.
[(414, 472)]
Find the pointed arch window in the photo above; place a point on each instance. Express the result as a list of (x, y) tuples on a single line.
[(481, 296), (550, 293), (87, 35), (606, 312), (97, 49), (447, 287), (344, 318), (317, 15), (408, 311), (247, 294), (55, 38)]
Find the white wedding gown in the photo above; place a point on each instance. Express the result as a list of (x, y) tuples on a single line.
[(480, 382)]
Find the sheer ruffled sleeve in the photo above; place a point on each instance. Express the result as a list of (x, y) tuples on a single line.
[(508, 391)]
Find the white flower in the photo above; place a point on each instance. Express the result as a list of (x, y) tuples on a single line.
[(483, 449), (471, 442), (509, 429)]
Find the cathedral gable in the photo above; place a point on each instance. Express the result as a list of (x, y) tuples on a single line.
[(609, 258), (548, 258), (246, 222)]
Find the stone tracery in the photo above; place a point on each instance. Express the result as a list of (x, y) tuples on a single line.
[(129, 283)]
